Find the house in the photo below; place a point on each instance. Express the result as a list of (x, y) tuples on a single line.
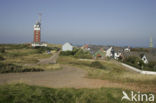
[(144, 59), (127, 49), (85, 47), (117, 55), (109, 52), (67, 47), (99, 54)]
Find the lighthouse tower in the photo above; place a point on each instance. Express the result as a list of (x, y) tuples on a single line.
[(37, 34)]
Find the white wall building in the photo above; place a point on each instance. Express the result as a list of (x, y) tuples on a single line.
[(144, 59), (127, 49), (39, 44), (117, 55), (109, 52), (67, 47)]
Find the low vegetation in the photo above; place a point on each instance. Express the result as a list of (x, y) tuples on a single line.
[(83, 54), (8, 68), (137, 62), (97, 64), (77, 53), (112, 71), (46, 49), (140, 49), (21, 93), (1, 58), (22, 58), (46, 66)]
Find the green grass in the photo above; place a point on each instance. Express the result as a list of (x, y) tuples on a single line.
[(22, 93), (47, 66), (22, 57), (10, 68), (113, 71)]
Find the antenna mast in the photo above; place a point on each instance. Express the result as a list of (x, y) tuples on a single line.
[(151, 43), (40, 14)]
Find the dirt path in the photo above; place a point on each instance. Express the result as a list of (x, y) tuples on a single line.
[(51, 60), (69, 77)]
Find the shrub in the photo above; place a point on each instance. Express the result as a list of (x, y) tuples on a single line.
[(55, 48), (66, 53), (141, 64), (97, 64), (1, 57), (69, 53), (132, 59), (42, 49), (151, 64), (140, 49), (22, 93), (83, 54), (137, 62), (2, 50), (16, 46), (8, 68)]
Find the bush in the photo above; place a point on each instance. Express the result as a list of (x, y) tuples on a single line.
[(83, 54), (77, 53), (66, 53), (97, 64), (16, 46), (22, 93), (132, 59), (9, 68), (2, 50), (138, 63), (42, 49), (140, 49), (1, 58), (69, 53), (55, 48), (151, 64)]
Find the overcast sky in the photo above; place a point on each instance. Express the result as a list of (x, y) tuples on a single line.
[(104, 22)]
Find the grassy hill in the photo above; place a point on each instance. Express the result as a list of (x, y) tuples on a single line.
[(23, 57), (21, 93), (112, 71)]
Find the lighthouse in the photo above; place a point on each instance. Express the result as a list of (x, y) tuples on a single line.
[(37, 34)]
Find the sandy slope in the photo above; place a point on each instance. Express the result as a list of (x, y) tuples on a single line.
[(68, 77)]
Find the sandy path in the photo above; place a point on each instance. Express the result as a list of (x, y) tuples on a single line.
[(69, 77), (51, 60)]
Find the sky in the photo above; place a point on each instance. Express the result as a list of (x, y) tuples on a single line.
[(100, 22)]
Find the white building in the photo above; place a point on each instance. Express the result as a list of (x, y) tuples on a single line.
[(144, 59), (127, 49), (67, 47), (117, 55), (109, 52), (39, 45)]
